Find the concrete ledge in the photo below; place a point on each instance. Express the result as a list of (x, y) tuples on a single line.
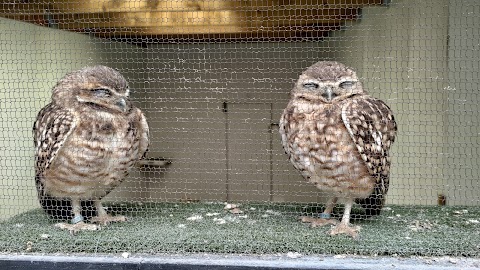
[(229, 262)]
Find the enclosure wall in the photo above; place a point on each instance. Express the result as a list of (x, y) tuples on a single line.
[(214, 107)]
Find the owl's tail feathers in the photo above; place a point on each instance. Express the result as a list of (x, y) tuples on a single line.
[(374, 203), (60, 208)]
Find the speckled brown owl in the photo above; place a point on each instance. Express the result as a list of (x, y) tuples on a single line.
[(339, 138), (86, 140)]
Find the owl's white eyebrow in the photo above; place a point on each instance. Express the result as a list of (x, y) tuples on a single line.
[(311, 81), (79, 99), (348, 79)]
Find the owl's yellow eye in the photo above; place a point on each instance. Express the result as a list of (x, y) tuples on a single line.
[(311, 85), (347, 84)]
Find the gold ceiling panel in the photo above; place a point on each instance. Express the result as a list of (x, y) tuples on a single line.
[(246, 18)]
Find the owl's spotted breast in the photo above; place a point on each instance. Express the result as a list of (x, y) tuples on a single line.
[(321, 149), (94, 159)]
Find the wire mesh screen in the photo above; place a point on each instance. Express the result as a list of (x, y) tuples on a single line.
[(213, 79)]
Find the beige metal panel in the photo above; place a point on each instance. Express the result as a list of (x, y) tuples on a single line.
[(193, 139), (187, 85), (463, 127), (248, 158)]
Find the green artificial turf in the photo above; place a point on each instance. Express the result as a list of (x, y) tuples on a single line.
[(260, 229)]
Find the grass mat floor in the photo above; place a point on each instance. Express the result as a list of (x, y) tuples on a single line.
[(258, 229)]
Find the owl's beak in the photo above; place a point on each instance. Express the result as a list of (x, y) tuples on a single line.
[(122, 104), (328, 93)]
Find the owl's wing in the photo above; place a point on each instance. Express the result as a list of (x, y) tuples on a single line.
[(371, 125), (144, 135), (50, 131), (285, 128)]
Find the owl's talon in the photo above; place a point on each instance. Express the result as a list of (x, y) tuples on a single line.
[(318, 222), (107, 219), (345, 229), (80, 226)]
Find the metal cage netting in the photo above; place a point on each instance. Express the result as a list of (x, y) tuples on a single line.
[(213, 79)]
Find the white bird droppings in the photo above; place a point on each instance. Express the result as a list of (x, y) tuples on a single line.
[(294, 255), (195, 218)]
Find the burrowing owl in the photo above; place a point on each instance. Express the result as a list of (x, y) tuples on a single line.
[(86, 139), (339, 138)]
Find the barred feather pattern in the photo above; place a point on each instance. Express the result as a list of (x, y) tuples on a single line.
[(372, 127), (342, 147), (83, 154)]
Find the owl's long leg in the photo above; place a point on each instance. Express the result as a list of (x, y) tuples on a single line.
[(344, 226), (325, 217), (103, 217), (77, 223)]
